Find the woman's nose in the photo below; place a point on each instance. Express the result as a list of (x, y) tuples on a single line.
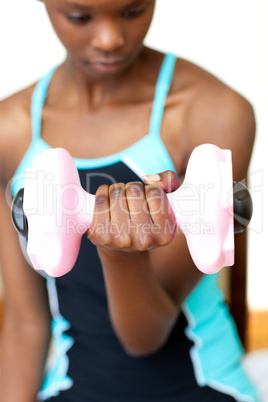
[(108, 36)]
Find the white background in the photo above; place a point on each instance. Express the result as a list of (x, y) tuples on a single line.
[(227, 37)]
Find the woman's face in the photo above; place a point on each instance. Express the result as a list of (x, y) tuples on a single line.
[(101, 36)]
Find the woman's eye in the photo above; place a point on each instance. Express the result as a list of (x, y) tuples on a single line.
[(133, 12), (79, 18)]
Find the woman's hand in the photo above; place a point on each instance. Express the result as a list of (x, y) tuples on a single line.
[(134, 217)]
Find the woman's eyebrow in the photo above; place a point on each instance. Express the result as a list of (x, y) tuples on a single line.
[(81, 6), (74, 4), (137, 3)]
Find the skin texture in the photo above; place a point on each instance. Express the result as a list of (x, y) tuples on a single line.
[(107, 80)]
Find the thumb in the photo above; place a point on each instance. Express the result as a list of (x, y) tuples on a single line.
[(167, 180)]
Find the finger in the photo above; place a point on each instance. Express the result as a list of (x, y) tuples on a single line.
[(118, 203), (120, 215), (141, 223), (167, 180), (137, 203), (161, 213), (101, 217)]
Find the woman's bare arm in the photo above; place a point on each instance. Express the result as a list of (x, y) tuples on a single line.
[(25, 327), (26, 321)]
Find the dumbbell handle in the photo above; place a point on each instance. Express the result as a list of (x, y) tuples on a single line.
[(203, 207)]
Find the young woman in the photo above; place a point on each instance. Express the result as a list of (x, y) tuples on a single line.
[(134, 320)]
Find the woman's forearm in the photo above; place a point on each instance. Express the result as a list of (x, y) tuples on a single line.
[(23, 352), (141, 310)]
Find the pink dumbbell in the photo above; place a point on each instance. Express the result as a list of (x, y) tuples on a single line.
[(53, 210)]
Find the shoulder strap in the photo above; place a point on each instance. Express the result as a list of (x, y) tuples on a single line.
[(161, 91), (37, 102)]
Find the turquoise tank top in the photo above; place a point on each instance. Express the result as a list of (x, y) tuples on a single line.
[(215, 350)]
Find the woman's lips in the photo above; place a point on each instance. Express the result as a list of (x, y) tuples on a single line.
[(107, 67)]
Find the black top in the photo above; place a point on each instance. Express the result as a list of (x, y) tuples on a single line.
[(100, 369)]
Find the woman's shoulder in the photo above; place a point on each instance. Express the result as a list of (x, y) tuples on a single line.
[(201, 90), (199, 82), (15, 129), (15, 114), (213, 112)]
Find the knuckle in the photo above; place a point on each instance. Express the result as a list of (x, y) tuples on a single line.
[(171, 180), (106, 241), (135, 189), (101, 200), (125, 241), (166, 238), (145, 242), (154, 192), (170, 174), (116, 190), (99, 239), (101, 197)]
